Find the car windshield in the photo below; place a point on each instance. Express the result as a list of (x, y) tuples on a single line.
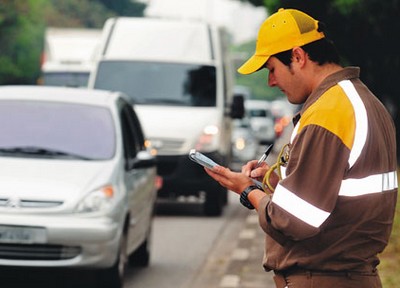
[(160, 83), (257, 113), (56, 130), (69, 79)]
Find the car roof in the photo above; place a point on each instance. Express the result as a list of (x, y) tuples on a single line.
[(60, 94)]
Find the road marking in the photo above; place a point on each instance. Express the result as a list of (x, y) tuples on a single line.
[(252, 219), (230, 281), (247, 234), (240, 254)]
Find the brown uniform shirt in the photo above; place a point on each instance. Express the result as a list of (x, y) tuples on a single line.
[(333, 210)]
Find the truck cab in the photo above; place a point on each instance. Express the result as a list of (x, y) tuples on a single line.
[(68, 56)]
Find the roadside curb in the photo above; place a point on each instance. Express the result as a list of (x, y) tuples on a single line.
[(235, 259), (246, 260)]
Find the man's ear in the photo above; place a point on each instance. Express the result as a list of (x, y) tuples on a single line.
[(299, 55)]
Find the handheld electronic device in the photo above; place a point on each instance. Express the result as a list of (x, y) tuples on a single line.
[(205, 161), (201, 159)]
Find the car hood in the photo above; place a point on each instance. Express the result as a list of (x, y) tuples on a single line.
[(52, 180)]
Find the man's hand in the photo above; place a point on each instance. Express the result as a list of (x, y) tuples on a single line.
[(235, 181), (250, 169)]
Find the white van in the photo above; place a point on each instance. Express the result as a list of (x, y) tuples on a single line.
[(68, 56), (178, 74)]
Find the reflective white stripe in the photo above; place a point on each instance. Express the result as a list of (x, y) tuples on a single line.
[(283, 171), (294, 132), (361, 120), (372, 184), (298, 207)]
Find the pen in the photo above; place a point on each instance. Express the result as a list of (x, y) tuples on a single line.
[(265, 155)]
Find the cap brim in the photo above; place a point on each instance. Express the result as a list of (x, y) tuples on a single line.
[(252, 65)]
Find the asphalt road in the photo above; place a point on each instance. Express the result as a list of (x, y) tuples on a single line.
[(182, 242)]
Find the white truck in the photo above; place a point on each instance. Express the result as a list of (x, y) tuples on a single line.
[(178, 74), (68, 56)]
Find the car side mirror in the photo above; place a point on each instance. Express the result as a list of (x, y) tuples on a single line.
[(142, 160), (237, 106)]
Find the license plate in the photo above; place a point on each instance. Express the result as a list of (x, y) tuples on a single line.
[(22, 234)]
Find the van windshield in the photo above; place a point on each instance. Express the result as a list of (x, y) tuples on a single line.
[(156, 83)]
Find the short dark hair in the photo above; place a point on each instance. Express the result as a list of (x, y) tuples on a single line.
[(321, 51)]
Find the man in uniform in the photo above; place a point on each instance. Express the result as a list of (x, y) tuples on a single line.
[(329, 211)]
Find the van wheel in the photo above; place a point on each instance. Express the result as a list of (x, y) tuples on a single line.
[(214, 202), (114, 277)]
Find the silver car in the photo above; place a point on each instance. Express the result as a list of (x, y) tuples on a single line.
[(261, 120), (78, 185), (244, 141)]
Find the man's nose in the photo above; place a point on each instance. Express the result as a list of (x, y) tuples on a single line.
[(271, 80)]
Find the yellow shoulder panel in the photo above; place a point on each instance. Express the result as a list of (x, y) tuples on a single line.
[(332, 111)]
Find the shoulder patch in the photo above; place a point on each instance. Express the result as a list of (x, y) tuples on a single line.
[(334, 112)]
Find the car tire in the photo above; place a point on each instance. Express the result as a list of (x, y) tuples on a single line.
[(141, 256), (113, 277)]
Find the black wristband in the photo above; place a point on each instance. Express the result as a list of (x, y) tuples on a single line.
[(243, 196)]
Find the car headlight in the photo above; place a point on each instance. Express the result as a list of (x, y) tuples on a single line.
[(240, 143), (208, 139), (98, 200)]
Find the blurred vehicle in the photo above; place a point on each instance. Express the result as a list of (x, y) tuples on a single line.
[(242, 90), (283, 112), (78, 186), (244, 142), (68, 56), (261, 120), (180, 77)]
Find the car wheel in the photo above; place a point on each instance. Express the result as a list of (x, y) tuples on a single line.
[(113, 277), (141, 256)]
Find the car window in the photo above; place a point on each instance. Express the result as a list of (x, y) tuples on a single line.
[(131, 131), (56, 130)]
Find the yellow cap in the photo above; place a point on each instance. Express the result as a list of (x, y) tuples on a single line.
[(282, 31)]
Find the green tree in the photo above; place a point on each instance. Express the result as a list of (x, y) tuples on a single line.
[(124, 7), (77, 13), (21, 37), (89, 13), (257, 82)]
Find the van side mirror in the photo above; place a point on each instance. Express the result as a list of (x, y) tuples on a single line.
[(237, 106)]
